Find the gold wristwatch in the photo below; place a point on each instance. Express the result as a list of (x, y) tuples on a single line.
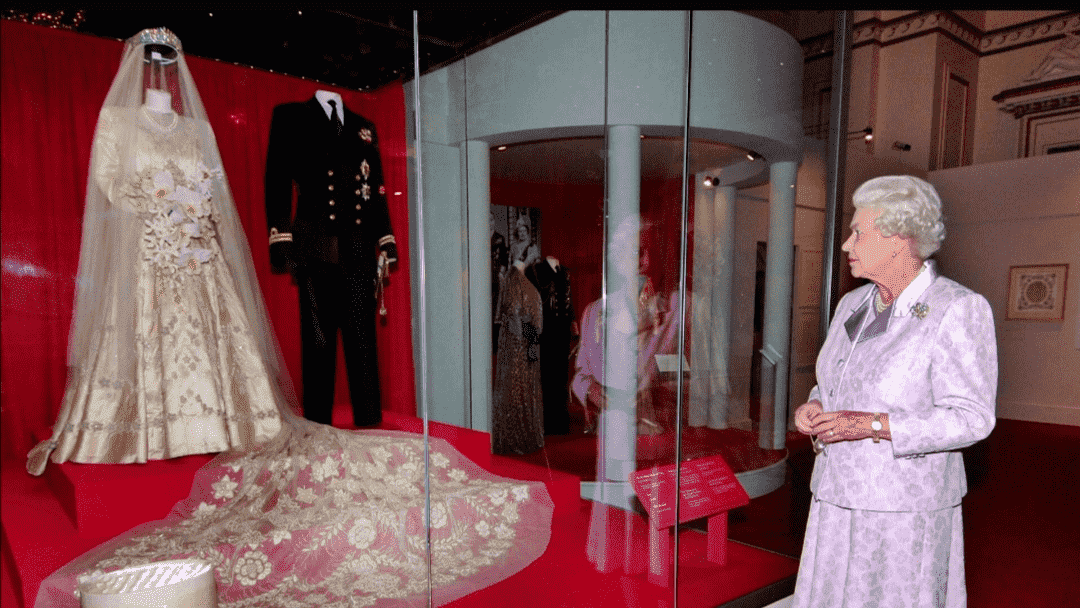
[(876, 426)]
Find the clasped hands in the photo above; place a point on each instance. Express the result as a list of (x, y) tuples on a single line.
[(832, 427)]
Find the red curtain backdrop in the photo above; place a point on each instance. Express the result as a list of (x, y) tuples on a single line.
[(52, 85)]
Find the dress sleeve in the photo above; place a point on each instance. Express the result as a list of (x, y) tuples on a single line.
[(278, 183), (106, 161), (963, 379), (381, 217)]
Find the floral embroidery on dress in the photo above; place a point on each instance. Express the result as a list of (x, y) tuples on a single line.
[(354, 521), (177, 210), (253, 567)]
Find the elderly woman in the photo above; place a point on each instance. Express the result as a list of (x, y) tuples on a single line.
[(906, 378)]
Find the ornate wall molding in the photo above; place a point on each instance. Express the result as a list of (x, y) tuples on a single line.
[(884, 33), (1044, 104), (1023, 35)]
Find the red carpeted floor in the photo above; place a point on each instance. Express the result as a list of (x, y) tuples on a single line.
[(1021, 513), (1020, 518), (40, 535)]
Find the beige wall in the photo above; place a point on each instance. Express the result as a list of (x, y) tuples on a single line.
[(1011, 213), (1006, 211), (997, 134)]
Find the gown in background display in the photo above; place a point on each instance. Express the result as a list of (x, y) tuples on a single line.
[(310, 515), (552, 281), (518, 410)]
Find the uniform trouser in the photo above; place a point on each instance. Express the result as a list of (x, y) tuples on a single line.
[(334, 297)]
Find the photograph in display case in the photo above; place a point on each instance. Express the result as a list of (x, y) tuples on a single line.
[(1037, 293)]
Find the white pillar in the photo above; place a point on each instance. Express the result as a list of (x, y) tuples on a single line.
[(777, 330), (619, 422)]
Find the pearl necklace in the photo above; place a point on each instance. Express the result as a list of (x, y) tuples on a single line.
[(879, 304)]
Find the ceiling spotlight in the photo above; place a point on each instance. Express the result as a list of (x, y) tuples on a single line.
[(710, 181), (501, 148), (901, 146), (752, 156)]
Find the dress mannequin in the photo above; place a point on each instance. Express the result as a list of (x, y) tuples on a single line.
[(552, 281), (158, 101), (325, 97), (336, 240)]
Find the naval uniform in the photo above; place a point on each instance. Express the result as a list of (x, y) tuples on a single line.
[(331, 245)]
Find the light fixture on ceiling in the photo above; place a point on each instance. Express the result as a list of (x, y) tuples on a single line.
[(752, 156), (710, 181), (501, 148), (867, 133), (901, 146)]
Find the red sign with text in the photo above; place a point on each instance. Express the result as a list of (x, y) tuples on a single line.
[(708, 486)]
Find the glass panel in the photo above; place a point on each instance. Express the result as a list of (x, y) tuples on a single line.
[(745, 144), (584, 326)]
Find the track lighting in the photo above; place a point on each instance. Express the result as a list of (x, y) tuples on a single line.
[(710, 181), (867, 133)]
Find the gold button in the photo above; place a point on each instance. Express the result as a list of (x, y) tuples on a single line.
[(331, 202), (357, 220), (330, 173), (330, 187), (357, 177), (358, 207), (357, 192), (332, 216)]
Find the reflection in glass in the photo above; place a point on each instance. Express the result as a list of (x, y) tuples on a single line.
[(578, 120)]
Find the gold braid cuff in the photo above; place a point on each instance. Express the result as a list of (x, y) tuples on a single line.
[(279, 237)]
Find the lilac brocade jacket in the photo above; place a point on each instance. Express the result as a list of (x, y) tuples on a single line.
[(933, 369)]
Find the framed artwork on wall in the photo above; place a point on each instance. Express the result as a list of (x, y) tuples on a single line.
[(1037, 293)]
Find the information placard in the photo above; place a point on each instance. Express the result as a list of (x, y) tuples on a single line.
[(708, 486)]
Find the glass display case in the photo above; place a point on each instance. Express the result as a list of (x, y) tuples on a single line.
[(588, 199), (599, 256)]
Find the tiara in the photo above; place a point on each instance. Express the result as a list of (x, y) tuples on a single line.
[(160, 35)]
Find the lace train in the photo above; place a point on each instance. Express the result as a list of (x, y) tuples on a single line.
[(331, 518)]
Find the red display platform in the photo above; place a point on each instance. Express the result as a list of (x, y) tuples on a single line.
[(103, 500)]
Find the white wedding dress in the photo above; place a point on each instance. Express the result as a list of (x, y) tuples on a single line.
[(199, 384), (172, 353)]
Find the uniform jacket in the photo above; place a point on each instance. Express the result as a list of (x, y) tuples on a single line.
[(933, 368), (341, 214)]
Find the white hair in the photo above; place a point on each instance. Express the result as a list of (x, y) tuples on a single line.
[(910, 207)]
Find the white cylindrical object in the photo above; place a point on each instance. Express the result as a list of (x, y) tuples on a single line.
[(184, 583)]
